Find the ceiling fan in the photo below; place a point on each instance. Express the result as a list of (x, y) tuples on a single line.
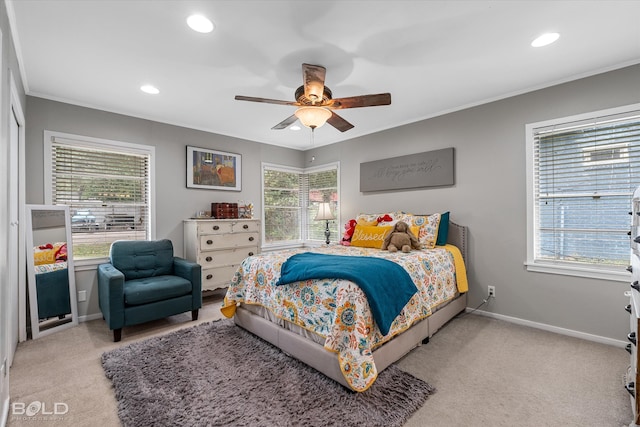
[(315, 102)]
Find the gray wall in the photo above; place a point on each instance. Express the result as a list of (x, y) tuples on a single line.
[(174, 201), (490, 197)]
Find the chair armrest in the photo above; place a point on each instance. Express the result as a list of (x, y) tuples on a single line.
[(192, 272), (111, 295)]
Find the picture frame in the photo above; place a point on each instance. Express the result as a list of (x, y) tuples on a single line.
[(213, 170)]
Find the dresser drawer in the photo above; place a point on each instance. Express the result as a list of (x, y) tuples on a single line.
[(225, 257), (217, 277), (226, 227), (220, 241)]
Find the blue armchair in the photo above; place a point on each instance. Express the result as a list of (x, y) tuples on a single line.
[(145, 282)]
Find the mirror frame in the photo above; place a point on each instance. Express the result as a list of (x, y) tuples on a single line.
[(31, 277)]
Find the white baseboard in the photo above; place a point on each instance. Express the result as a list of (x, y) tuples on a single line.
[(89, 317), (550, 328)]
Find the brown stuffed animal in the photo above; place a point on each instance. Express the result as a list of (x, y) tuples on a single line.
[(401, 238)]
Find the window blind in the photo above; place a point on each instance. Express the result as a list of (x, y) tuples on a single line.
[(107, 192), (323, 187), (585, 173), (291, 198)]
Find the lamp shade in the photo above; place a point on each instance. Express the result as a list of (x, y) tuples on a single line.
[(324, 212), (313, 117)]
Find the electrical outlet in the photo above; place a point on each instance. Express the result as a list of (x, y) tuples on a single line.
[(491, 291), (82, 296)]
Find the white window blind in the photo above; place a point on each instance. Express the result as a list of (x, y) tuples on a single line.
[(290, 202), (584, 174), (107, 188)]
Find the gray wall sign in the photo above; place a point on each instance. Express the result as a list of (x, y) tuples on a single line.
[(428, 169)]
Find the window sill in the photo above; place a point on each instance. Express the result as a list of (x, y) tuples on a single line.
[(280, 246), (579, 271), (88, 264)]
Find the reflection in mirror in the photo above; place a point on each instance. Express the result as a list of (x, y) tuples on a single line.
[(50, 272)]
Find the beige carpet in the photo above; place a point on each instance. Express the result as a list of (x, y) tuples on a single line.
[(487, 373)]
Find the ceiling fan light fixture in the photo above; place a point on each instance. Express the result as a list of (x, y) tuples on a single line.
[(313, 117)]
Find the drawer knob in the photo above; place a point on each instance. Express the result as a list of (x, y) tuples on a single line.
[(631, 336), (636, 286), (629, 233), (209, 276), (627, 308), (209, 259), (630, 269), (209, 242), (251, 239), (250, 253), (631, 388), (630, 213), (628, 348), (216, 227), (246, 226)]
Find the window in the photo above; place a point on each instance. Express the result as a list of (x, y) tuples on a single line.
[(107, 186), (290, 203), (582, 171)]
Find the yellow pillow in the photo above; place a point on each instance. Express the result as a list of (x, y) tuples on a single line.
[(43, 256), (369, 236), (367, 223)]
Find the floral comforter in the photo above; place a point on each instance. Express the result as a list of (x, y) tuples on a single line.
[(337, 309)]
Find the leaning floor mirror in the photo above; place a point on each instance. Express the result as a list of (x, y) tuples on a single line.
[(50, 272)]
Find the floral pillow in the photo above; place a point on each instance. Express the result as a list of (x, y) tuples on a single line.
[(428, 224)]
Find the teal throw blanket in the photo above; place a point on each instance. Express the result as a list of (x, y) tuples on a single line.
[(387, 285)]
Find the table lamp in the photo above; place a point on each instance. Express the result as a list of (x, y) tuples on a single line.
[(325, 214)]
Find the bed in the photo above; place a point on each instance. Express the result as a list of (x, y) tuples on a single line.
[(329, 324)]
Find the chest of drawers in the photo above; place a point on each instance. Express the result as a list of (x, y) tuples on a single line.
[(219, 246)]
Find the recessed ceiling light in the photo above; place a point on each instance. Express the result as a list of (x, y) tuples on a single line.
[(150, 89), (200, 24), (295, 127), (545, 39)]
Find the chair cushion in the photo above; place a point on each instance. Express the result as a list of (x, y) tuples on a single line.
[(152, 289), (142, 258)]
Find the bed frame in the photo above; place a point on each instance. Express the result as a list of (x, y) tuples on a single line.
[(314, 354)]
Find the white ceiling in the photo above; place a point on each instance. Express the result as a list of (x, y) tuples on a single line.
[(432, 56)]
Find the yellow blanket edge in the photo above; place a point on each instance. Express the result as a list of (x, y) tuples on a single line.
[(461, 269)]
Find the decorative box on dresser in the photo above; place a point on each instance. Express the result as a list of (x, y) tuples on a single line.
[(220, 246), (633, 377)]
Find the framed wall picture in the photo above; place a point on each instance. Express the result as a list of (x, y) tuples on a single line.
[(213, 170)]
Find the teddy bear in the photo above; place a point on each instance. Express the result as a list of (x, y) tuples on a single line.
[(401, 238)]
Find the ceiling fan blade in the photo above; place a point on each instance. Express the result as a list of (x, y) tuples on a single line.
[(265, 100), (313, 77), (361, 101), (339, 123), (286, 122)]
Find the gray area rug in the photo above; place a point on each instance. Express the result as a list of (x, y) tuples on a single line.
[(217, 374)]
